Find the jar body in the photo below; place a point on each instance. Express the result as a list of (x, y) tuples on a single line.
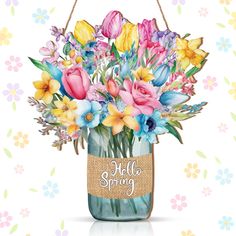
[(112, 208)]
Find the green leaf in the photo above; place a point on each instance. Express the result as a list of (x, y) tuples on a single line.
[(13, 229), (227, 11), (12, 10), (205, 173), (201, 154), (33, 190), (218, 160), (186, 35), (9, 133), (5, 194), (66, 49), (172, 130), (62, 225), (7, 152), (115, 51), (173, 69), (52, 173), (14, 106), (178, 116), (175, 123), (179, 9), (39, 64), (220, 25), (52, 10), (226, 80), (234, 52), (234, 138), (195, 70), (233, 115)]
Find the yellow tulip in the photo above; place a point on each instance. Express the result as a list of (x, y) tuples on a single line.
[(128, 36), (84, 32)]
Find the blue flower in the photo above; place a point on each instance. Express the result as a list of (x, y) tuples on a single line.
[(226, 223), (151, 126), (50, 189), (89, 67), (161, 75), (224, 44), (41, 16), (88, 113), (224, 176), (172, 98)]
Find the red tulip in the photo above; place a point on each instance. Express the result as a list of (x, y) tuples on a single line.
[(113, 87)]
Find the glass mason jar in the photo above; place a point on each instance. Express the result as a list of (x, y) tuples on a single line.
[(120, 146)]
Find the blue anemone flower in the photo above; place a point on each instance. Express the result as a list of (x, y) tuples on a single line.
[(88, 113), (151, 126)]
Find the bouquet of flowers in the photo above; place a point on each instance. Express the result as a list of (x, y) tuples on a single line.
[(123, 81)]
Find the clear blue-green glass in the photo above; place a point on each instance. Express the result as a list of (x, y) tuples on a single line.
[(138, 208)]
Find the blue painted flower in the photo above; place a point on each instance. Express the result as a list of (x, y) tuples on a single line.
[(151, 126), (224, 176), (88, 113), (161, 75), (226, 223), (40, 16), (172, 98), (50, 189), (89, 67), (224, 44)]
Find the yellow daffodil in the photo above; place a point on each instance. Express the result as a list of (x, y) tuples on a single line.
[(188, 52), (128, 36), (233, 20), (64, 106), (68, 119), (143, 74), (117, 120), (233, 90), (84, 32), (46, 88)]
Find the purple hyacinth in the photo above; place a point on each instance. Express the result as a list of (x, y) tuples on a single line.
[(11, 2), (58, 33)]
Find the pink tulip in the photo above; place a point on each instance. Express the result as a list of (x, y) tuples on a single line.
[(76, 82), (112, 87), (112, 25), (141, 95), (146, 30)]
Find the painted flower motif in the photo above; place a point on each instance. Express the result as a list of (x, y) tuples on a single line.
[(13, 64), (178, 202), (203, 12), (94, 92), (226, 223), (19, 169), (50, 189), (88, 113), (5, 219), (143, 74), (175, 2), (24, 212), (232, 91), (210, 83), (61, 233), (13, 92), (223, 128), (224, 176), (11, 2), (50, 52), (232, 21), (224, 44), (21, 140), (206, 191), (192, 171), (227, 2), (5, 36), (40, 16), (187, 233)]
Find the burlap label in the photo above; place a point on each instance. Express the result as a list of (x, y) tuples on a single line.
[(120, 178)]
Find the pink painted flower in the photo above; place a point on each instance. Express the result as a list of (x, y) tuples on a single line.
[(112, 87), (203, 12), (112, 25), (24, 212), (93, 92), (178, 202), (223, 128), (61, 233), (13, 64), (210, 83), (206, 191), (141, 95), (5, 219), (50, 52), (19, 169), (102, 50)]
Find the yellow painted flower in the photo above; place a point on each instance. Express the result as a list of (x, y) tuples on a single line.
[(84, 32), (233, 90), (128, 36), (225, 1), (5, 36), (21, 140), (188, 52), (187, 233), (192, 171), (117, 120), (46, 88), (233, 20), (68, 119), (143, 74)]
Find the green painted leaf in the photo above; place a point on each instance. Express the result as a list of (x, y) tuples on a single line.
[(201, 154), (195, 70), (7, 152), (235, 138), (5, 194), (178, 116), (13, 229), (39, 64), (174, 132), (226, 80), (205, 173), (66, 48), (179, 9), (227, 11), (12, 10), (175, 123), (53, 171), (218, 160), (220, 25), (233, 115), (14, 106), (234, 52), (52, 10), (186, 35), (33, 190), (115, 51), (62, 225), (9, 133)]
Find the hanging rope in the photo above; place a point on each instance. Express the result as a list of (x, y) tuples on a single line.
[(76, 1)]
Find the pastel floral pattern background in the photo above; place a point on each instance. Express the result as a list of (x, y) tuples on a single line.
[(43, 191)]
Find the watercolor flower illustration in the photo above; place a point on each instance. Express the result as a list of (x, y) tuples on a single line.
[(232, 91), (210, 83), (5, 36), (25, 212), (224, 44), (5, 219), (21, 139), (226, 223), (40, 16), (187, 233), (50, 189), (224, 176), (61, 233), (232, 21), (203, 11), (192, 170), (13, 92), (19, 169), (13, 64), (175, 2), (206, 191), (11, 2), (223, 128), (178, 202), (227, 2)]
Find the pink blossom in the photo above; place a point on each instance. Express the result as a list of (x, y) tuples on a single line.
[(223, 128), (210, 83), (178, 202), (24, 212), (50, 52), (13, 64), (203, 12), (5, 219), (93, 92), (141, 95), (19, 169), (206, 191)]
